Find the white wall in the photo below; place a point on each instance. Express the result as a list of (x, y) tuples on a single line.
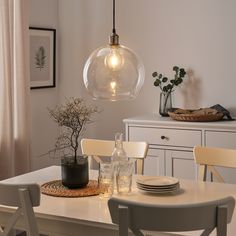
[(198, 35), (44, 14)]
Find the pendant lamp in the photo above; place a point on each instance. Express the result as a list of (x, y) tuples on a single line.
[(113, 72)]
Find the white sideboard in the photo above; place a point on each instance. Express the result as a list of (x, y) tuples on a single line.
[(171, 143)]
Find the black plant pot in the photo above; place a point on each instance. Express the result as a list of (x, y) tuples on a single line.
[(75, 175)]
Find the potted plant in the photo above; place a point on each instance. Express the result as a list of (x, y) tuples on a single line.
[(72, 117), (167, 87)]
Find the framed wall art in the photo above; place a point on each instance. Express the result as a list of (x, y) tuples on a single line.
[(42, 57)]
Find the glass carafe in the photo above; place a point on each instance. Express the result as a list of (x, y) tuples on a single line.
[(123, 168), (118, 154)]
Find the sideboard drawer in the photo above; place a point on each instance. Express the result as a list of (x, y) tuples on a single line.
[(221, 139), (166, 137)]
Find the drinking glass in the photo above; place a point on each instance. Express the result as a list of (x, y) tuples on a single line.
[(106, 180), (124, 177)]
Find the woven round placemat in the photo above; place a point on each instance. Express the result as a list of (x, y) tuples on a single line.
[(57, 189)]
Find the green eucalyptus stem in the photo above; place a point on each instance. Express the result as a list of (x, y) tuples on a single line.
[(166, 99)]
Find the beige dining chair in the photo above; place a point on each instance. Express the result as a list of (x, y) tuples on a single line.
[(209, 157), (138, 216), (103, 148), (24, 197)]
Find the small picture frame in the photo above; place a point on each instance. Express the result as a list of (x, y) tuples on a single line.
[(42, 57)]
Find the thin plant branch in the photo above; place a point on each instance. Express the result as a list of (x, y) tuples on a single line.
[(72, 118)]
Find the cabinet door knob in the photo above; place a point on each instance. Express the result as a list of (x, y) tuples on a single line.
[(163, 137)]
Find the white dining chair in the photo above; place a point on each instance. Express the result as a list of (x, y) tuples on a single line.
[(103, 148), (138, 216), (209, 157), (24, 197)]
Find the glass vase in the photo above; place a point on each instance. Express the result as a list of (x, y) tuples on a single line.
[(165, 103)]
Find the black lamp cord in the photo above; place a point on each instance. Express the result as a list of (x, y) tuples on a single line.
[(114, 17), (114, 37)]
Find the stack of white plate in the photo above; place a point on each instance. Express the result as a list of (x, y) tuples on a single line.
[(157, 184)]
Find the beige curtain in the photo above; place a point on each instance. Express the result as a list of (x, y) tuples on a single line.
[(14, 88)]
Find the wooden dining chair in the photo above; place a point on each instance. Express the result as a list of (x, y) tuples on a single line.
[(138, 216), (103, 148), (209, 157), (24, 197)]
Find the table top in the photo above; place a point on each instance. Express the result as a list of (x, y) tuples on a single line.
[(94, 211), (81, 210)]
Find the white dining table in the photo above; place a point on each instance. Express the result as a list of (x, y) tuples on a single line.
[(88, 216)]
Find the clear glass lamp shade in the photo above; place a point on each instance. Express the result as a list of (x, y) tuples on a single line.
[(113, 72)]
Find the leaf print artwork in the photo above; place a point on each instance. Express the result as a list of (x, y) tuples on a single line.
[(40, 58), (42, 50)]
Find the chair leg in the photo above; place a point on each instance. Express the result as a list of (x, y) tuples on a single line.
[(221, 221), (28, 212), (207, 232), (202, 171), (123, 220), (8, 229)]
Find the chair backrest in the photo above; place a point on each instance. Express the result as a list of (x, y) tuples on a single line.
[(208, 157), (104, 148), (172, 218), (24, 197)]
